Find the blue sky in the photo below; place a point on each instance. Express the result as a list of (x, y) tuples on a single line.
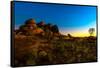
[(68, 18)]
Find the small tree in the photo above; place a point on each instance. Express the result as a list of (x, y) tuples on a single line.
[(55, 29), (69, 35), (91, 31)]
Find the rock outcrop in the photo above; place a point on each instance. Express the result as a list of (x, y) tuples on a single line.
[(32, 28)]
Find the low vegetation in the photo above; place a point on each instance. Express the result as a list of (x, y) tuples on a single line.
[(44, 48)]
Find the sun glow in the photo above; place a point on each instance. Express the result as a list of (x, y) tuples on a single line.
[(79, 34), (82, 34), (81, 31)]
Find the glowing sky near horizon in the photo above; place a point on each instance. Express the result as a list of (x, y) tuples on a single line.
[(77, 32), (72, 19)]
